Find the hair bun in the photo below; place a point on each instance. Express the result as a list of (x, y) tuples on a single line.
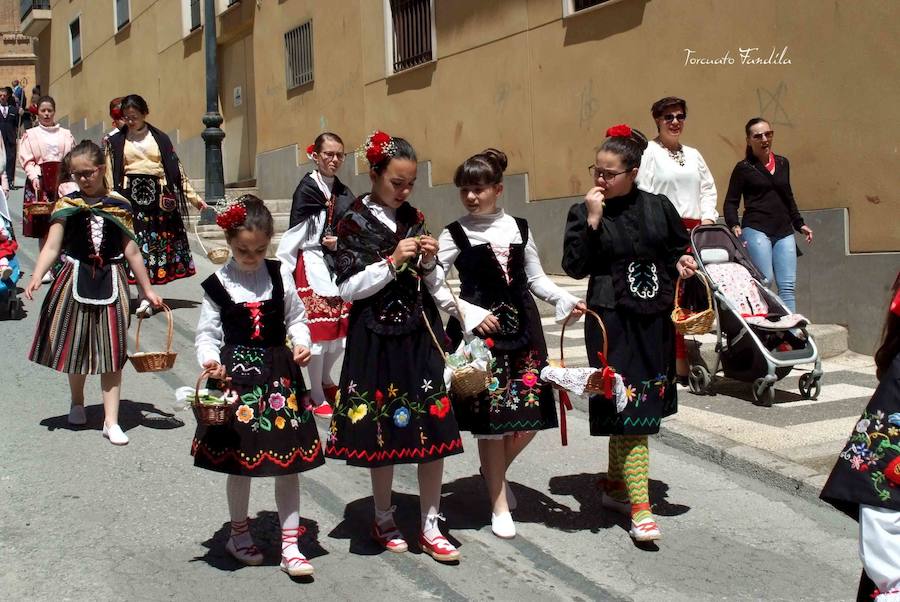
[(639, 138), (497, 157)]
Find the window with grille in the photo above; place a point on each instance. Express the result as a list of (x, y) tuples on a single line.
[(123, 13), (578, 5), (298, 56), (195, 14), (411, 33), (75, 40)]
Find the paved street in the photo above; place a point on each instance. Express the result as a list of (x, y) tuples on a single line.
[(83, 520)]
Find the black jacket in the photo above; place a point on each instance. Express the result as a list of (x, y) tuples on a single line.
[(9, 125), (769, 204)]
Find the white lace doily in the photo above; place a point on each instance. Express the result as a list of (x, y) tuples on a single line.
[(575, 380)]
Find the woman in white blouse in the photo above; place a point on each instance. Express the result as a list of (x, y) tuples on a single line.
[(679, 173)]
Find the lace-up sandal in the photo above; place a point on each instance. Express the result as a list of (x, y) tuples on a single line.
[(644, 529), (296, 565), (249, 555)]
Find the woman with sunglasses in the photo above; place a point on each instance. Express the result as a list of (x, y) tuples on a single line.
[(770, 217), (679, 173)]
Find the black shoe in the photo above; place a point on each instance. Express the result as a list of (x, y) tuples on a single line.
[(682, 380)]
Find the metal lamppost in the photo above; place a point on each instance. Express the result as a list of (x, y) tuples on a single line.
[(213, 134)]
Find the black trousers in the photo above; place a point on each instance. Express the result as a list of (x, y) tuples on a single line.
[(11, 158)]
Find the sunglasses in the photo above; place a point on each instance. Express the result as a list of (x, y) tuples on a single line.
[(673, 116), (760, 135)]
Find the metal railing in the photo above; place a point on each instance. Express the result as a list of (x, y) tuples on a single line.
[(29, 5)]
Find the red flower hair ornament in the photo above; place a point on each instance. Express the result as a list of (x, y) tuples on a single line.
[(115, 113), (310, 150), (619, 131), (379, 146), (232, 217)]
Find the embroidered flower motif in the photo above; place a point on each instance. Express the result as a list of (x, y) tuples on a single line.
[(292, 402), (337, 397), (285, 382), (245, 414), (351, 387), (276, 401), (230, 396), (307, 403), (893, 431), (401, 417), (856, 462), (630, 392), (379, 398), (294, 423), (426, 385), (356, 414), (894, 419), (892, 471), (493, 385), (440, 407), (529, 379), (863, 425), (279, 422), (392, 390)]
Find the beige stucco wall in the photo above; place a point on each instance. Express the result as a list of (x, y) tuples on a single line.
[(516, 75)]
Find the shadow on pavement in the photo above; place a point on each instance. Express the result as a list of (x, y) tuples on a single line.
[(266, 532), (131, 414), (359, 516)]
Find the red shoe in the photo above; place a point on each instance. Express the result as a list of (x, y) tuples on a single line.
[(331, 392), (324, 410), (390, 538), (439, 548)]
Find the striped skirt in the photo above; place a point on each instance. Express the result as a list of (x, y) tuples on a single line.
[(78, 338)]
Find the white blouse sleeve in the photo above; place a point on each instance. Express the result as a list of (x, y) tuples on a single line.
[(289, 246), (295, 314), (210, 337), (879, 549), (708, 194), (367, 282), (644, 179), (541, 285)]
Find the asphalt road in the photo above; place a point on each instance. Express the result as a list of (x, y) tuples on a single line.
[(81, 519)]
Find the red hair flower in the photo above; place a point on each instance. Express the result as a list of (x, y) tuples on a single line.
[(115, 113), (378, 146), (619, 131), (310, 150), (232, 217)]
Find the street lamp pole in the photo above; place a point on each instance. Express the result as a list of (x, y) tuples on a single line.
[(213, 134)]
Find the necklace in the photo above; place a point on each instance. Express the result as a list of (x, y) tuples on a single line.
[(676, 155)]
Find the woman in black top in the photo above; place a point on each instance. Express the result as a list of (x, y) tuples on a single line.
[(770, 217)]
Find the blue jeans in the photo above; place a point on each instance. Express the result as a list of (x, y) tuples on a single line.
[(776, 258)]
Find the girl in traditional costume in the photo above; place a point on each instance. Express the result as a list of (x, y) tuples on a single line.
[(393, 406), (865, 482), (83, 325), (633, 246), (307, 250), (144, 168), (499, 268), (249, 308)]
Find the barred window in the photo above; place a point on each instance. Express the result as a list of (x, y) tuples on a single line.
[(75, 40), (123, 13), (578, 5), (411, 35), (195, 14), (298, 56)]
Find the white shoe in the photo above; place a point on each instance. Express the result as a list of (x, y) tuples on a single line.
[(645, 530), (48, 278), (77, 416), (502, 525), (115, 434), (6, 272)]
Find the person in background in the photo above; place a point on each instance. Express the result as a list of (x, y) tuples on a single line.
[(9, 132)]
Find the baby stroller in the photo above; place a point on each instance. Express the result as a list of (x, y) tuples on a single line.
[(758, 339), (10, 273)]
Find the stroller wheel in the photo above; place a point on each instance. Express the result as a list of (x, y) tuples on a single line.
[(763, 392), (809, 387), (699, 380)]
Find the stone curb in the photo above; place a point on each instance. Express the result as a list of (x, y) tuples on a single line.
[(764, 466)]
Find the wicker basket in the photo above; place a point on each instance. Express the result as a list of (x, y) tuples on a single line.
[(210, 414), (154, 361), (595, 381), (688, 322), (37, 208), (219, 255)]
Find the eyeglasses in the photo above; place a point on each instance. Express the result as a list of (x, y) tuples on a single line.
[(333, 155), (602, 174), (84, 175), (673, 116), (760, 135)]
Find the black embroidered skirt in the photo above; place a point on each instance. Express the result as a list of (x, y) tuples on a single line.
[(393, 407), (273, 431), (160, 234), (642, 350)]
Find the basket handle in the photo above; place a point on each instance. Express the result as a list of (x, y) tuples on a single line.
[(562, 335), (206, 372), (169, 337), (199, 239), (434, 338), (679, 287)]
